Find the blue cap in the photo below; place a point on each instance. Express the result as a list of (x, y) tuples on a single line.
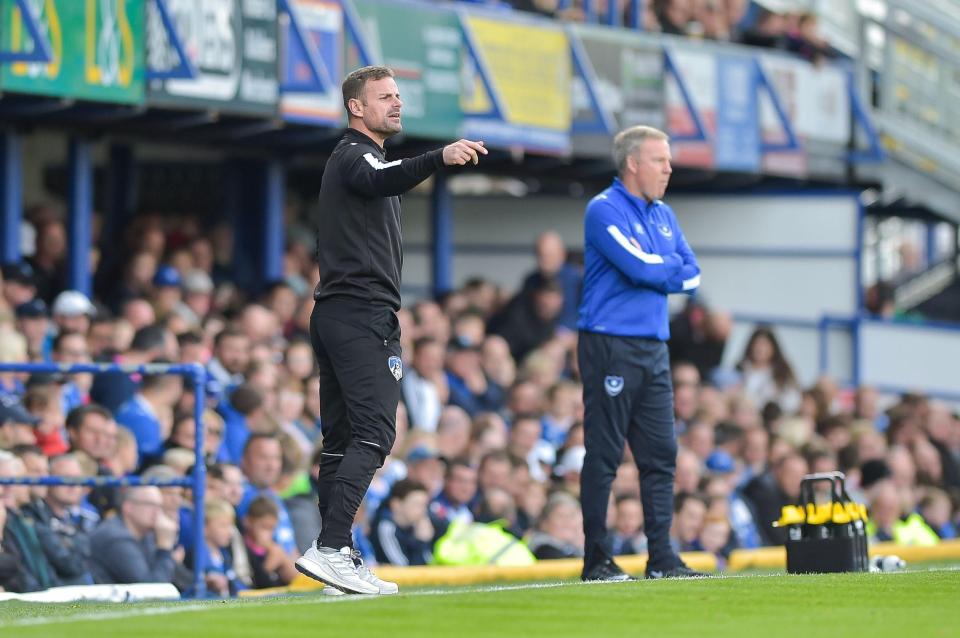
[(32, 309), (12, 411), (721, 462), (21, 272), (167, 276)]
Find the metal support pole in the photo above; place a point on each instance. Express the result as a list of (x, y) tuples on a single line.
[(199, 480), (11, 196), (441, 211), (80, 207), (273, 222)]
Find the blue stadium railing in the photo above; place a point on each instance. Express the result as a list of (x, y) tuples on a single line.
[(197, 482)]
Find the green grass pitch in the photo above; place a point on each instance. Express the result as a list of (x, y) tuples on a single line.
[(919, 603)]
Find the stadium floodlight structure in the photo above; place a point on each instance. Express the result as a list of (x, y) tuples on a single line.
[(193, 372)]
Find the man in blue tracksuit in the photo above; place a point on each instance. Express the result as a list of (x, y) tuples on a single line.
[(635, 255)]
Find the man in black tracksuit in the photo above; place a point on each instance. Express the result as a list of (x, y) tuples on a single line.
[(354, 327)]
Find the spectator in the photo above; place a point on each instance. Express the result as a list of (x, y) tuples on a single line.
[(421, 384), (453, 433), (402, 531), (136, 545), (183, 434), (217, 559), (231, 356), (70, 348), (167, 295), (33, 322), (19, 284), (71, 312), (48, 261), (63, 526), (767, 375), (16, 424), (673, 16), (530, 318), (769, 492), (467, 383), (564, 406), (627, 534), (149, 414), (689, 512), (425, 467), (698, 335), (458, 494), (262, 463), (10, 563), (20, 536), (149, 344), (552, 264), (559, 532), (768, 31)]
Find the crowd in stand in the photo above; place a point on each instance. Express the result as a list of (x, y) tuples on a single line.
[(738, 21), (489, 429)]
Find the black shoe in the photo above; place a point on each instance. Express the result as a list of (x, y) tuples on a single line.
[(607, 571), (679, 571)]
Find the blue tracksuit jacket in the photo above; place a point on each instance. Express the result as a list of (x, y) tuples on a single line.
[(634, 256)]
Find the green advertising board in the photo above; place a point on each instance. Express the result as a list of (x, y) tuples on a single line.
[(426, 61), (97, 50)]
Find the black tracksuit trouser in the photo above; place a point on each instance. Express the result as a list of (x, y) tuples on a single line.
[(628, 398), (357, 346)]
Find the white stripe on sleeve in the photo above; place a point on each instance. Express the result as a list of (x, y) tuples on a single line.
[(646, 258), (690, 284), (377, 164), (387, 533)]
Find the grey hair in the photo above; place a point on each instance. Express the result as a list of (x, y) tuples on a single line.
[(629, 139)]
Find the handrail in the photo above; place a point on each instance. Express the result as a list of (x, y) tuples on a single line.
[(197, 482)]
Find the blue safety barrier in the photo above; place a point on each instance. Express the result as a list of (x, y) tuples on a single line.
[(197, 482)]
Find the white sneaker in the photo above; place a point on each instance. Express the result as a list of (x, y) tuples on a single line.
[(385, 587), (331, 591), (334, 568)]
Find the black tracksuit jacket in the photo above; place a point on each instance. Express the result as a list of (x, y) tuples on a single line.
[(358, 244)]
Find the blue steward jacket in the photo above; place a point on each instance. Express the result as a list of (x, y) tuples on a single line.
[(634, 256)]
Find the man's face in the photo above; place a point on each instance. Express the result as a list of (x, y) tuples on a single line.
[(461, 485), (234, 353), (651, 166), (262, 463), (66, 495), (380, 107), (97, 436)]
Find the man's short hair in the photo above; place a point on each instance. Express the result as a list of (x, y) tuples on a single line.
[(77, 415), (629, 139), (404, 488), (354, 84), (257, 436)]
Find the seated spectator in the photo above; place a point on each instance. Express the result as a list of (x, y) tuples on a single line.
[(402, 530), (425, 467), (217, 560), (559, 532), (530, 318), (183, 435), (689, 512), (453, 433), (767, 375), (63, 526), (698, 335), (17, 426), (715, 537), (149, 345), (458, 494), (93, 432), (420, 391), (564, 407), (42, 402), (936, 509), (627, 536), (768, 493), (71, 312), (136, 545), (262, 464), (10, 564), (20, 536), (552, 264), (149, 414), (270, 564), (33, 323), (466, 381)]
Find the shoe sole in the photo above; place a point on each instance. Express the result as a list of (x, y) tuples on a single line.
[(314, 570)]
